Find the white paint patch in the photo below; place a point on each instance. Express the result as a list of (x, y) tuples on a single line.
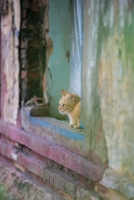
[(123, 4), (14, 156)]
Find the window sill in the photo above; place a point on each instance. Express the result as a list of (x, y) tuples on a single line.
[(55, 131)]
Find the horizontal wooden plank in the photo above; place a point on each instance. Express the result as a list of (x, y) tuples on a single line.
[(68, 159)]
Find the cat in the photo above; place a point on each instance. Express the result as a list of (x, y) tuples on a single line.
[(70, 104)]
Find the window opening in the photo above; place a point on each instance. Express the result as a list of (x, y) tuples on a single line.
[(51, 54)]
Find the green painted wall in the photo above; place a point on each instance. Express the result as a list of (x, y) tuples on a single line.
[(108, 82), (58, 66), (116, 85)]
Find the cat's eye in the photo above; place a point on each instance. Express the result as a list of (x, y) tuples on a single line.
[(63, 105)]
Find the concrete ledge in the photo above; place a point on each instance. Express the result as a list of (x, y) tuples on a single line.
[(55, 131), (70, 160)]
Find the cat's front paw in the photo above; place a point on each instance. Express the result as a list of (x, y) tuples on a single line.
[(71, 125), (76, 126)]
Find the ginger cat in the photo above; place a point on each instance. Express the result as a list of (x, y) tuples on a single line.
[(70, 105)]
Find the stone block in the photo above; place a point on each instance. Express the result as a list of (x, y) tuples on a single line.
[(23, 74), (23, 54), (70, 187), (46, 175), (33, 43), (23, 44), (84, 194), (33, 65)]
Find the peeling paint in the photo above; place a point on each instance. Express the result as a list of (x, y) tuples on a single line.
[(14, 156), (10, 28)]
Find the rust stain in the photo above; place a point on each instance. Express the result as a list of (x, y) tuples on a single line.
[(20, 167), (66, 196), (96, 159), (49, 46), (109, 193), (68, 55)]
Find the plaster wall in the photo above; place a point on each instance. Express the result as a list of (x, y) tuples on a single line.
[(10, 25), (116, 87), (108, 82)]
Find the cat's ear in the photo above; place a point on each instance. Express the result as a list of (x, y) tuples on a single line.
[(63, 92), (71, 96)]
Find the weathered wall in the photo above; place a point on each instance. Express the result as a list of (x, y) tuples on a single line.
[(116, 85), (107, 89), (108, 82), (10, 25), (91, 109)]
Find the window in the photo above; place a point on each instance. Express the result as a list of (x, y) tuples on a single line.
[(53, 58)]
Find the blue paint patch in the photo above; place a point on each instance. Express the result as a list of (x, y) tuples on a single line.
[(82, 125), (16, 32), (67, 133), (38, 121)]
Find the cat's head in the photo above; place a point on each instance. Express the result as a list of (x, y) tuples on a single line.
[(67, 102)]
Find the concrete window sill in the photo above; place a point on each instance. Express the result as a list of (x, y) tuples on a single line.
[(55, 131)]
